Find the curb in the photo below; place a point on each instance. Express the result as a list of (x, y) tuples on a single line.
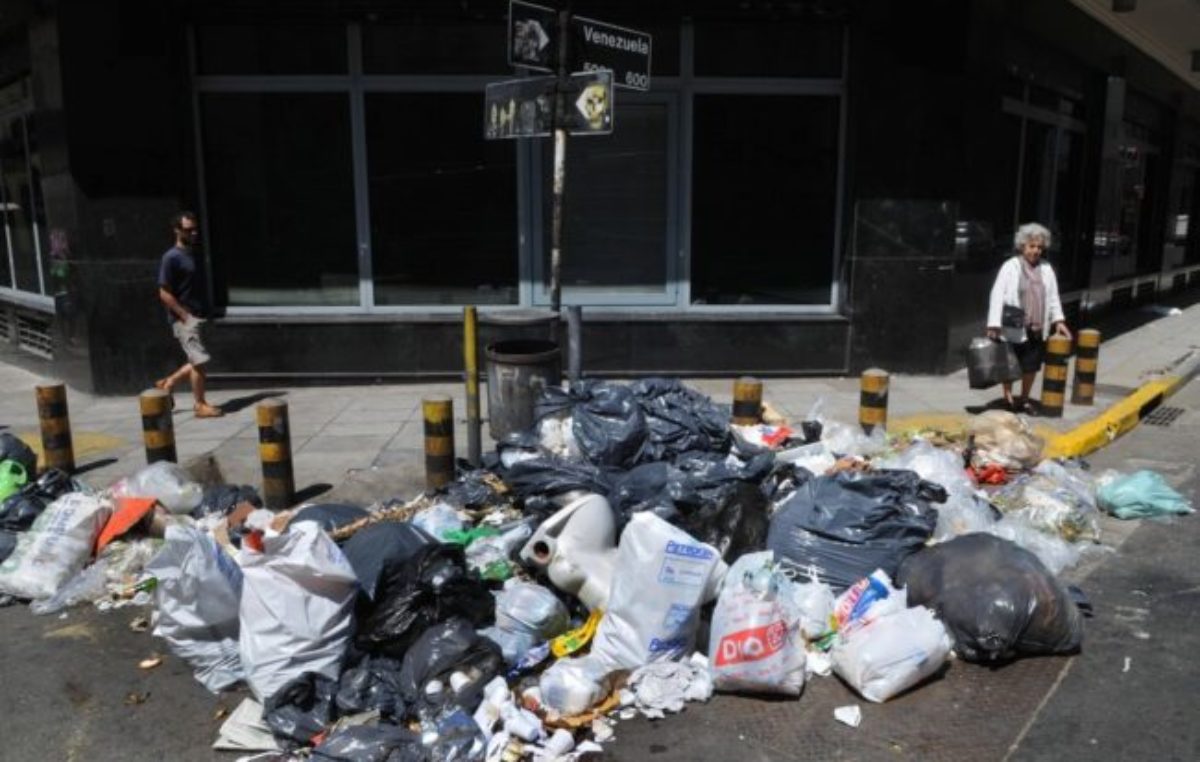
[(1123, 416)]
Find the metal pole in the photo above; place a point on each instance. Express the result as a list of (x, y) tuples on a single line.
[(438, 412), (560, 170), (574, 343), (471, 372), (873, 399), (158, 427), (747, 401)]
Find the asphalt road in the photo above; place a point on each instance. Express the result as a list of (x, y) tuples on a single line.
[(71, 689)]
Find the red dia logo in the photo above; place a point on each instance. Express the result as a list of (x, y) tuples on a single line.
[(751, 645)]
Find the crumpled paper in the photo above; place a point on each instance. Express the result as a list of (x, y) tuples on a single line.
[(662, 687)]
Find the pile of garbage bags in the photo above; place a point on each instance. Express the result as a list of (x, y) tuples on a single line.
[(631, 553)]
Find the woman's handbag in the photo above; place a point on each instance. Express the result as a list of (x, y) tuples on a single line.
[(1012, 323), (991, 362)]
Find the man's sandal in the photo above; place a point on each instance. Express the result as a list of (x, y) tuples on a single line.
[(208, 411)]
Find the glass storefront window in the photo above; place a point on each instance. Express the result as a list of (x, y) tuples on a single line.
[(764, 199), (437, 46), (271, 49), (733, 48), (443, 202), (617, 207), (280, 198), (20, 204)]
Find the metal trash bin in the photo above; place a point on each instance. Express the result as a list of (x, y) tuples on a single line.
[(517, 372)]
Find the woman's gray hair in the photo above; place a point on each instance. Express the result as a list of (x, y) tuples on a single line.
[(1030, 230)]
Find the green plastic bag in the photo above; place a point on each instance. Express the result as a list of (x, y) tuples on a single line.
[(1140, 495), (12, 478)]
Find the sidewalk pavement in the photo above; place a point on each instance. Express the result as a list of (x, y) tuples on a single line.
[(337, 430)]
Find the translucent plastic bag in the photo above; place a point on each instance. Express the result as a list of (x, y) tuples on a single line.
[(1141, 494), (526, 614), (891, 654), (755, 643), (438, 519), (167, 483)]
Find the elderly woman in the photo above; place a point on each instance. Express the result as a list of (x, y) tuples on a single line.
[(1024, 306)]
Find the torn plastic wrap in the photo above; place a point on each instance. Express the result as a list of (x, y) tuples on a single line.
[(197, 597), (297, 608), (838, 529), (1004, 439), (412, 595), (166, 482), (997, 600)]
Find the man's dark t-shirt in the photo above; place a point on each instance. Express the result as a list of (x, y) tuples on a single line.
[(182, 274)]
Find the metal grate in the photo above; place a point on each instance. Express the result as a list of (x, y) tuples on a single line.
[(5, 326), (1163, 416), (33, 336)]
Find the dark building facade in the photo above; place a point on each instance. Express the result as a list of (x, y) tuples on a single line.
[(806, 187)]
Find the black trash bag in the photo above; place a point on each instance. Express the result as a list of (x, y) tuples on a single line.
[(845, 526), (371, 743), (8, 543), (548, 476), (784, 479), (607, 420), (459, 739), (19, 510), (374, 683), (301, 709), (12, 448), (330, 515), (679, 419), (997, 599), (715, 502), (375, 546), (221, 499), (448, 647), (470, 490), (412, 596)]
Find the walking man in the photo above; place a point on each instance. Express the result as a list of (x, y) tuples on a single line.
[(184, 293)]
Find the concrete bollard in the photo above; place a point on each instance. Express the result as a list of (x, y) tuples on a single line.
[(873, 399), (1087, 360), (158, 427), (438, 412), (56, 427), (1054, 376), (747, 401), (275, 452)]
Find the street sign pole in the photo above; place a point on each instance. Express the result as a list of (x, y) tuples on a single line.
[(560, 170)]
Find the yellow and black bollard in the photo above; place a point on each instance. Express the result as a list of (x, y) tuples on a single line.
[(56, 427), (1087, 360), (158, 428), (438, 412), (747, 401), (1054, 376), (873, 399), (275, 452)]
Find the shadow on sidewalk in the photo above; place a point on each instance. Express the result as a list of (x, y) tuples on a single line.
[(240, 403), (996, 404), (95, 464), (311, 491), (1131, 318)]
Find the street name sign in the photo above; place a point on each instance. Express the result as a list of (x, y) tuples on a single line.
[(524, 108), (533, 37)]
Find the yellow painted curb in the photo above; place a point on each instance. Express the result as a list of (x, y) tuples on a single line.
[(87, 444), (1113, 422)]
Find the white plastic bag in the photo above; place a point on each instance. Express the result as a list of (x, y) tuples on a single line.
[(572, 686), (166, 482), (56, 547), (891, 654), (197, 595), (438, 519), (662, 577), (84, 587), (755, 643), (297, 608), (814, 601)]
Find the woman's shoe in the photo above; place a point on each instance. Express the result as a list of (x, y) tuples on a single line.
[(206, 410)]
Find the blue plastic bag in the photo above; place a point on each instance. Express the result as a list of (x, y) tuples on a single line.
[(1140, 495)]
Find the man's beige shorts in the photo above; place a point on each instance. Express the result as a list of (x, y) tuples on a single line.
[(190, 336)]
